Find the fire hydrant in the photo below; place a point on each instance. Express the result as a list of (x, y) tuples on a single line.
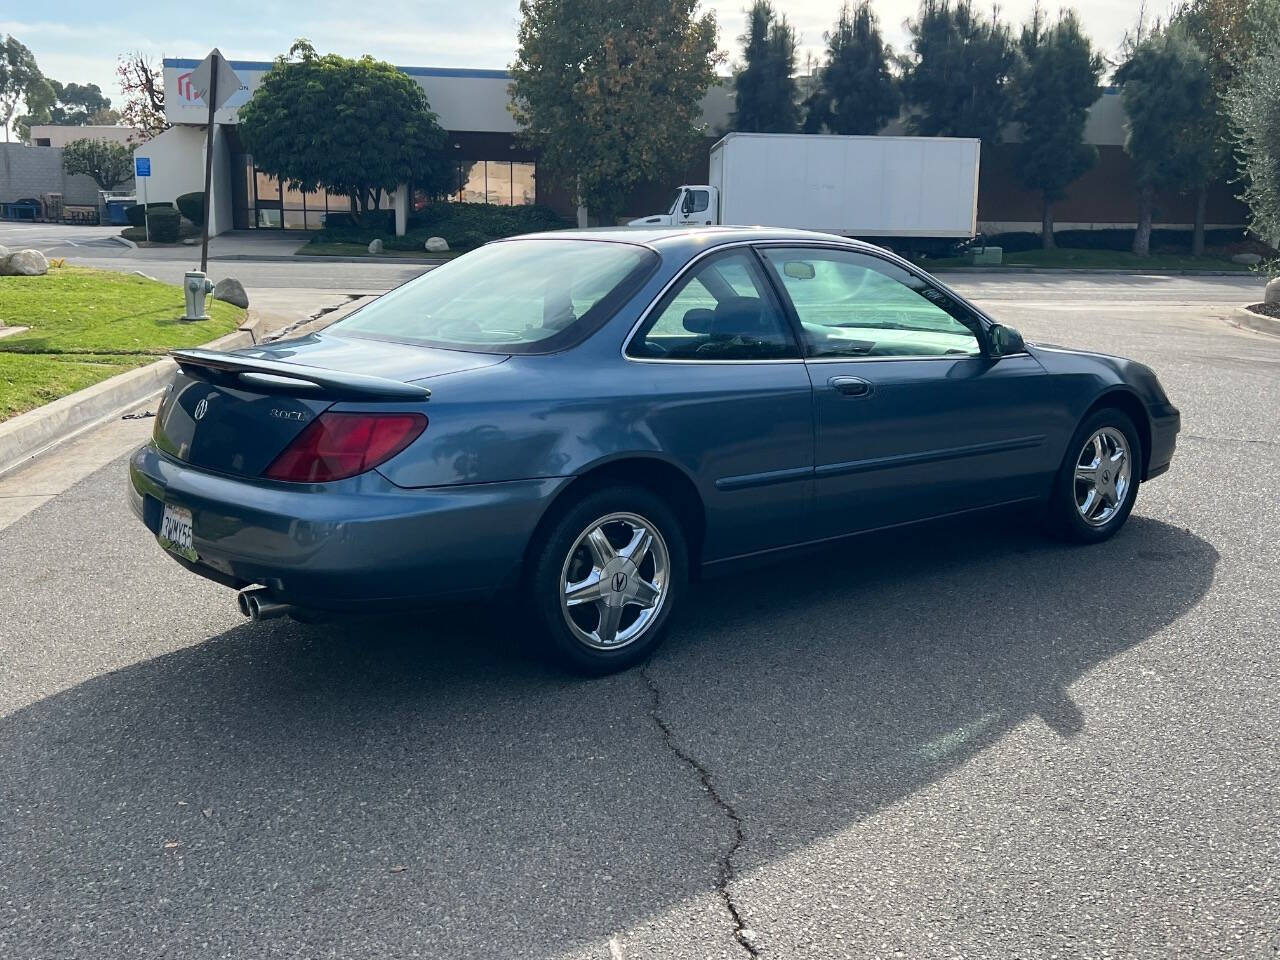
[(196, 286)]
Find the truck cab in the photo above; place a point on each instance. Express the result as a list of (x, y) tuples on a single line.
[(694, 205)]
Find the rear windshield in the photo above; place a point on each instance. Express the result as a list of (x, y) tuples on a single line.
[(517, 296)]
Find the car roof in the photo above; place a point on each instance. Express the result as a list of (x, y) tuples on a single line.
[(693, 237)]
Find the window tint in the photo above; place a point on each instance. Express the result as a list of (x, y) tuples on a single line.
[(720, 311), (854, 305), (517, 296)]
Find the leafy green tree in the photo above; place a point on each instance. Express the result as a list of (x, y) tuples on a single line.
[(108, 163), (1167, 92), (79, 104), (956, 78), (66, 105), (610, 94), (19, 77), (856, 91), (1254, 107), (40, 100), (1054, 87), (354, 127), (1229, 33), (767, 98)]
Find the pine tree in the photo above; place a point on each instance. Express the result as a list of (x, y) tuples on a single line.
[(1167, 91), (765, 87), (856, 93), (1054, 87), (957, 79)]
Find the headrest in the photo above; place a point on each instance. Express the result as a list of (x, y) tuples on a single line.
[(739, 315), (699, 320)]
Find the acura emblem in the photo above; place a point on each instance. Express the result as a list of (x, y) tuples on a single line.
[(619, 582), (201, 409)]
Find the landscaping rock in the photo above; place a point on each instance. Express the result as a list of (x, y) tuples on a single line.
[(4, 251), (375, 246), (24, 263), (1272, 294), (1248, 259), (437, 244), (231, 290)]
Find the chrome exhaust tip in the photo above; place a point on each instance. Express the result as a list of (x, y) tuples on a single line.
[(256, 604)]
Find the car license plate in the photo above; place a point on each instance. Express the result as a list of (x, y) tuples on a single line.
[(175, 531)]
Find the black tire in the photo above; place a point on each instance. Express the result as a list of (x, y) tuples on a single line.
[(554, 552), (1062, 517)]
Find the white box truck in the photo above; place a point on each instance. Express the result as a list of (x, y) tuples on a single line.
[(900, 189)]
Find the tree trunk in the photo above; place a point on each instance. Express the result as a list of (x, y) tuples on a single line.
[(1046, 225), (1142, 236), (1197, 233)]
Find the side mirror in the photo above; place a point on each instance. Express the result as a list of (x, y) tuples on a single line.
[(687, 205), (1004, 340)]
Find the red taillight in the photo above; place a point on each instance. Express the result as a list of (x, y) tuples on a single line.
[(340, 445)]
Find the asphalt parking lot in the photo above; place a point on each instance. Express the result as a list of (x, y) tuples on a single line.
[(962, 740)]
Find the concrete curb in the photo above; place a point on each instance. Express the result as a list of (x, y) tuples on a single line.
[(1246, 318), (307, 258), (1110, 271), (30, 434)]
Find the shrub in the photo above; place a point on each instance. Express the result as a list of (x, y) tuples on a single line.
[(165, 222), (463, 225), (1117, 238), (135, 212), (374, 222), (191, 206)]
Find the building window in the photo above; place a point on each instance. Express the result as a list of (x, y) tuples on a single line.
[(501, 182)]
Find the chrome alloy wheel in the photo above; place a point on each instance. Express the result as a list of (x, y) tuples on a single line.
[(614, 581), (1104, 470)]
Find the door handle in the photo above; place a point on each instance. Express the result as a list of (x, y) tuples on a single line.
[(850, 386)]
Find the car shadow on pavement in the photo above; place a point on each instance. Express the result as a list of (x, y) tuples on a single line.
[(420, 786)]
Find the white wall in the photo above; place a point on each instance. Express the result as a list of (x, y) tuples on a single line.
[(462, 99), (177, 167)]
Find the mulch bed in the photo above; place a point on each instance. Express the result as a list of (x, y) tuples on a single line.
[(1266, 309)]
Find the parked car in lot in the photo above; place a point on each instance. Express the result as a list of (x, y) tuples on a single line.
[(594, 417)]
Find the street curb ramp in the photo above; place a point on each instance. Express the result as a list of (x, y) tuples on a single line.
[(30, 434), (1250, 320)]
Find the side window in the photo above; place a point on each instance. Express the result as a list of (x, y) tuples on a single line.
[(700, 199), (721, 310), (854, 305)]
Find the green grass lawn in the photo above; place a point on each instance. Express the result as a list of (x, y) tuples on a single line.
[(88, 325), (1097, 260), (362, 250)]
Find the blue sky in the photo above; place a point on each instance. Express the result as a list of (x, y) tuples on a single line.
[(77, 40)]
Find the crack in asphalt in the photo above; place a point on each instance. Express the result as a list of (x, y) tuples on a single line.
[(724, 862), (1194, 436)]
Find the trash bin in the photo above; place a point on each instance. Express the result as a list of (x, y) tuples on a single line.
[(115, 212)]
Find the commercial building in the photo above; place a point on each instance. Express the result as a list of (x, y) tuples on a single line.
[(59, 135), (493, 166)]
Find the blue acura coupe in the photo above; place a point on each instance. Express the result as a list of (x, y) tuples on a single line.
[(592, 418)]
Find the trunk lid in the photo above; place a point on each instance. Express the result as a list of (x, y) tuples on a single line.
[(235, 412)]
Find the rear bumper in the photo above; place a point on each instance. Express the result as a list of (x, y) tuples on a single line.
[(1166, 421), (356, 544)]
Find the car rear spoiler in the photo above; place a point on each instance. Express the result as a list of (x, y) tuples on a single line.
[(278, 374)]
